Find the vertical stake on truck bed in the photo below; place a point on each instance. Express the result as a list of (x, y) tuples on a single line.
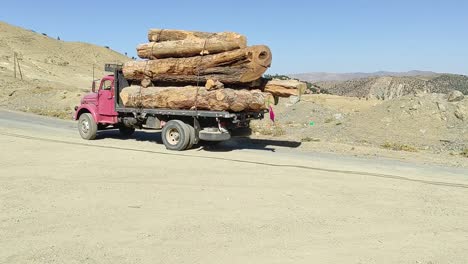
[(202, 53)]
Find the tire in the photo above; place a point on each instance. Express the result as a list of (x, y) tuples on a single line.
[(87, 127), (126, 131), (192, 136), (175, 135)]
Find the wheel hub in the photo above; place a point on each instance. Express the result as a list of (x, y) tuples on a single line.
[(85, 126), (173, 136)]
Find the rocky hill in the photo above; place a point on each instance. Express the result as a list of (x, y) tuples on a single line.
[(389, 87), (326, 77)]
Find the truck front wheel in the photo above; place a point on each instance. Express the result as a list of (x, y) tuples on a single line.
[(87, 127), (175, 135)]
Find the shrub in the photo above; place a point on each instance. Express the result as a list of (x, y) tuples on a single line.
[(399, 147)]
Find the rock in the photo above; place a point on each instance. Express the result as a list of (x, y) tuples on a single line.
[(441, 107), (414, 107), (338, 116), (455, 96), (293, 99), (461, 113)]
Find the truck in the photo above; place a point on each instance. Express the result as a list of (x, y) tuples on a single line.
[(102, 109)]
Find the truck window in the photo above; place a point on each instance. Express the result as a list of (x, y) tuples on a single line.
[(106, 85)]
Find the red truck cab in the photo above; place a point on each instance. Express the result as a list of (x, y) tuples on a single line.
[(100, 103)]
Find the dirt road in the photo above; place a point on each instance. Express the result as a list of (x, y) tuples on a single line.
[(65, 200)]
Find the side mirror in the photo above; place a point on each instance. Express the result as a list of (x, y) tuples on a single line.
[(93, 87)]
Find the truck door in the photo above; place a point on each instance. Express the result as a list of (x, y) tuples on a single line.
[(106, 98)]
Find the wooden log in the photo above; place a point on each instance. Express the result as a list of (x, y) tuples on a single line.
[(285, 88), (237, 66), (214, 84), (161, 35), (188, 98), (191, 47)]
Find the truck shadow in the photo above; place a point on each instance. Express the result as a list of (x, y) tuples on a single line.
[(235, 143), (139, 135)]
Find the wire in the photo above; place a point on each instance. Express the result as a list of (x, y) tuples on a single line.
[(202, 53)]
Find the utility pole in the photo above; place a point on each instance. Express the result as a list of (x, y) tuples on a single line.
[(19, 67), (14, 62)]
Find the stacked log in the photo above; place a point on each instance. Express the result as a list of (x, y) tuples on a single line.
[(190, 69), (192, 97), (285, 88), (231, 67), (169, 44)]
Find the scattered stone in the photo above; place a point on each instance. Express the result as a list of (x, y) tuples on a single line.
[(293, 99), (461, 113), (338, 116), (414, 107), (441, 107), (455, 96)]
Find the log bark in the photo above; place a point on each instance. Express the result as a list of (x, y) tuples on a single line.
[(237, 66), (285, 88), (187, 98), (161, 35), (191, 47)]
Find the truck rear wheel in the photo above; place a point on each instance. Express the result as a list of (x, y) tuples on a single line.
[(192, 135), (87, 127), (175, 135)]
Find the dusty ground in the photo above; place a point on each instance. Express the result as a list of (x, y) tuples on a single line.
[(64, 200), (423, 127)]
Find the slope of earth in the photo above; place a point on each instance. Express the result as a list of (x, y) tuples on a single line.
[(389, 87), (426, 123), (55, 73), (326, 76), (447, 82)]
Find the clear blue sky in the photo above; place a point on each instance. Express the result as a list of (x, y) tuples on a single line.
[(329, 36)]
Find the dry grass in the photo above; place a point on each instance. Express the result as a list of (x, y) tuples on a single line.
[(65, 114), (309, 139), (464, 153), (399, 147), (269, 129)]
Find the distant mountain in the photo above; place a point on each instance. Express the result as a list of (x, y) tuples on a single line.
[(389, 87), (324, 76)]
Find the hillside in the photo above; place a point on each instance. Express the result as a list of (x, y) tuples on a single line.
[(389, 87), (55, 73)]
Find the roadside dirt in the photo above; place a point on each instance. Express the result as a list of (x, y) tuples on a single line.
[(63, 200), (423, 127)]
